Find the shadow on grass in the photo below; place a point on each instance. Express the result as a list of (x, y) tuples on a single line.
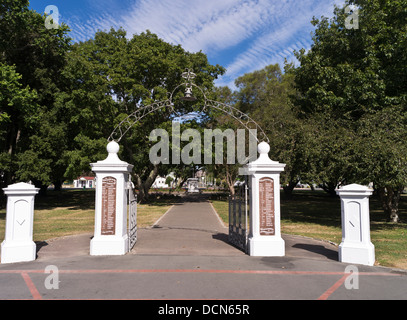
[(387, 226), (307, 206), (71, 199), (311, 207), (84, 199)]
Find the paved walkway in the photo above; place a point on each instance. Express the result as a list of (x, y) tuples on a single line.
[(189, 228), (186, 256)]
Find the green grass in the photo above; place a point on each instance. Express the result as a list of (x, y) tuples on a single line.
[(307, 213), (316, 215), (70, 212)]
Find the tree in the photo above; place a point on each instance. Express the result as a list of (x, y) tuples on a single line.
[(111, 77), (265, 95), (384, 151), (353, 79), (38, 56), (17, 112)]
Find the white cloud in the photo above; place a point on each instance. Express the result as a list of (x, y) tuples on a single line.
[(260, 31), (210, 25), (279, 40), (84, 29)]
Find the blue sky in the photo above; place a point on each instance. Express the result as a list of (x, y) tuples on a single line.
[(240, 35)]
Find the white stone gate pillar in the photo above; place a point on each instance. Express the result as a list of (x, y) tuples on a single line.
[(112, 175), (18, 244), (355, 246), (265, 231)]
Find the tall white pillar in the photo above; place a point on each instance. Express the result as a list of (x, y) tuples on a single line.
[(112, 174), (18, 244), (355, 246), (265, 231)]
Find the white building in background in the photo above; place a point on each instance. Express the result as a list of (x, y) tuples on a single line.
[(84, 182), (199, 179), (160, 181)]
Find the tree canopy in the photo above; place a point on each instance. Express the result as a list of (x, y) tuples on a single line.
[(112, 76), (60, 101), (338, 117), (351, 83), (31, 60)]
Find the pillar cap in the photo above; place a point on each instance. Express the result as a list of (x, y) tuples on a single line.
[(112, 158), (113, 147), (112, 162), (354, 189), (21, 188), (263, 162), (263, 148)]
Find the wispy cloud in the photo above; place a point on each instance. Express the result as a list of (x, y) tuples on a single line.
[(253, 33), (277, 42), (210, 25), (84, 27)]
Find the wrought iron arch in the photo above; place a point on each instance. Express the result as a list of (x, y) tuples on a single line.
[(245, 120)]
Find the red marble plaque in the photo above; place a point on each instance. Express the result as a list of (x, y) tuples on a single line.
[(266, 206), (108, 206)]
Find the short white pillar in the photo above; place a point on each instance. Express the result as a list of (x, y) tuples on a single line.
[(18, 244), (110, 237), (265, 231), (355, 246)]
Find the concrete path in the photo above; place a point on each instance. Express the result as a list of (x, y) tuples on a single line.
[(186, 256), (188, 228)]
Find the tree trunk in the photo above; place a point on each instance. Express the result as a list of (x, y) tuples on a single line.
[(231, 189), (389, 198), (329, 187), (230, 179), (144, 186), (43, 187), (288, 190), (181, 181), (141, 196), (57, 185)]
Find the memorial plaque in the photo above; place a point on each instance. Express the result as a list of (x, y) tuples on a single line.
[(266, 206), (108, 206)]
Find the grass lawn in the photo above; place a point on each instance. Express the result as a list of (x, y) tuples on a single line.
[(316, 215), (70, 212), (307, 213)]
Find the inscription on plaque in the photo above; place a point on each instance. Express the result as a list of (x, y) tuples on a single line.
[(266, 201), (108, 206)]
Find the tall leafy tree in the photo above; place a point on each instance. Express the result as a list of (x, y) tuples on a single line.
[(266, 96), (224, 166), (37, 55), (17, 113), (353, 79), (111, 77)]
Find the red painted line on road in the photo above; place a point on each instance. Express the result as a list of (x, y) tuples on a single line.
[(282, 272), (200, 271), (31, 286), (332, 289), (37, 296)]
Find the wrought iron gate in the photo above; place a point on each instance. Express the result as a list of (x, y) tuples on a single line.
[(132, 216), (238, 216)]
